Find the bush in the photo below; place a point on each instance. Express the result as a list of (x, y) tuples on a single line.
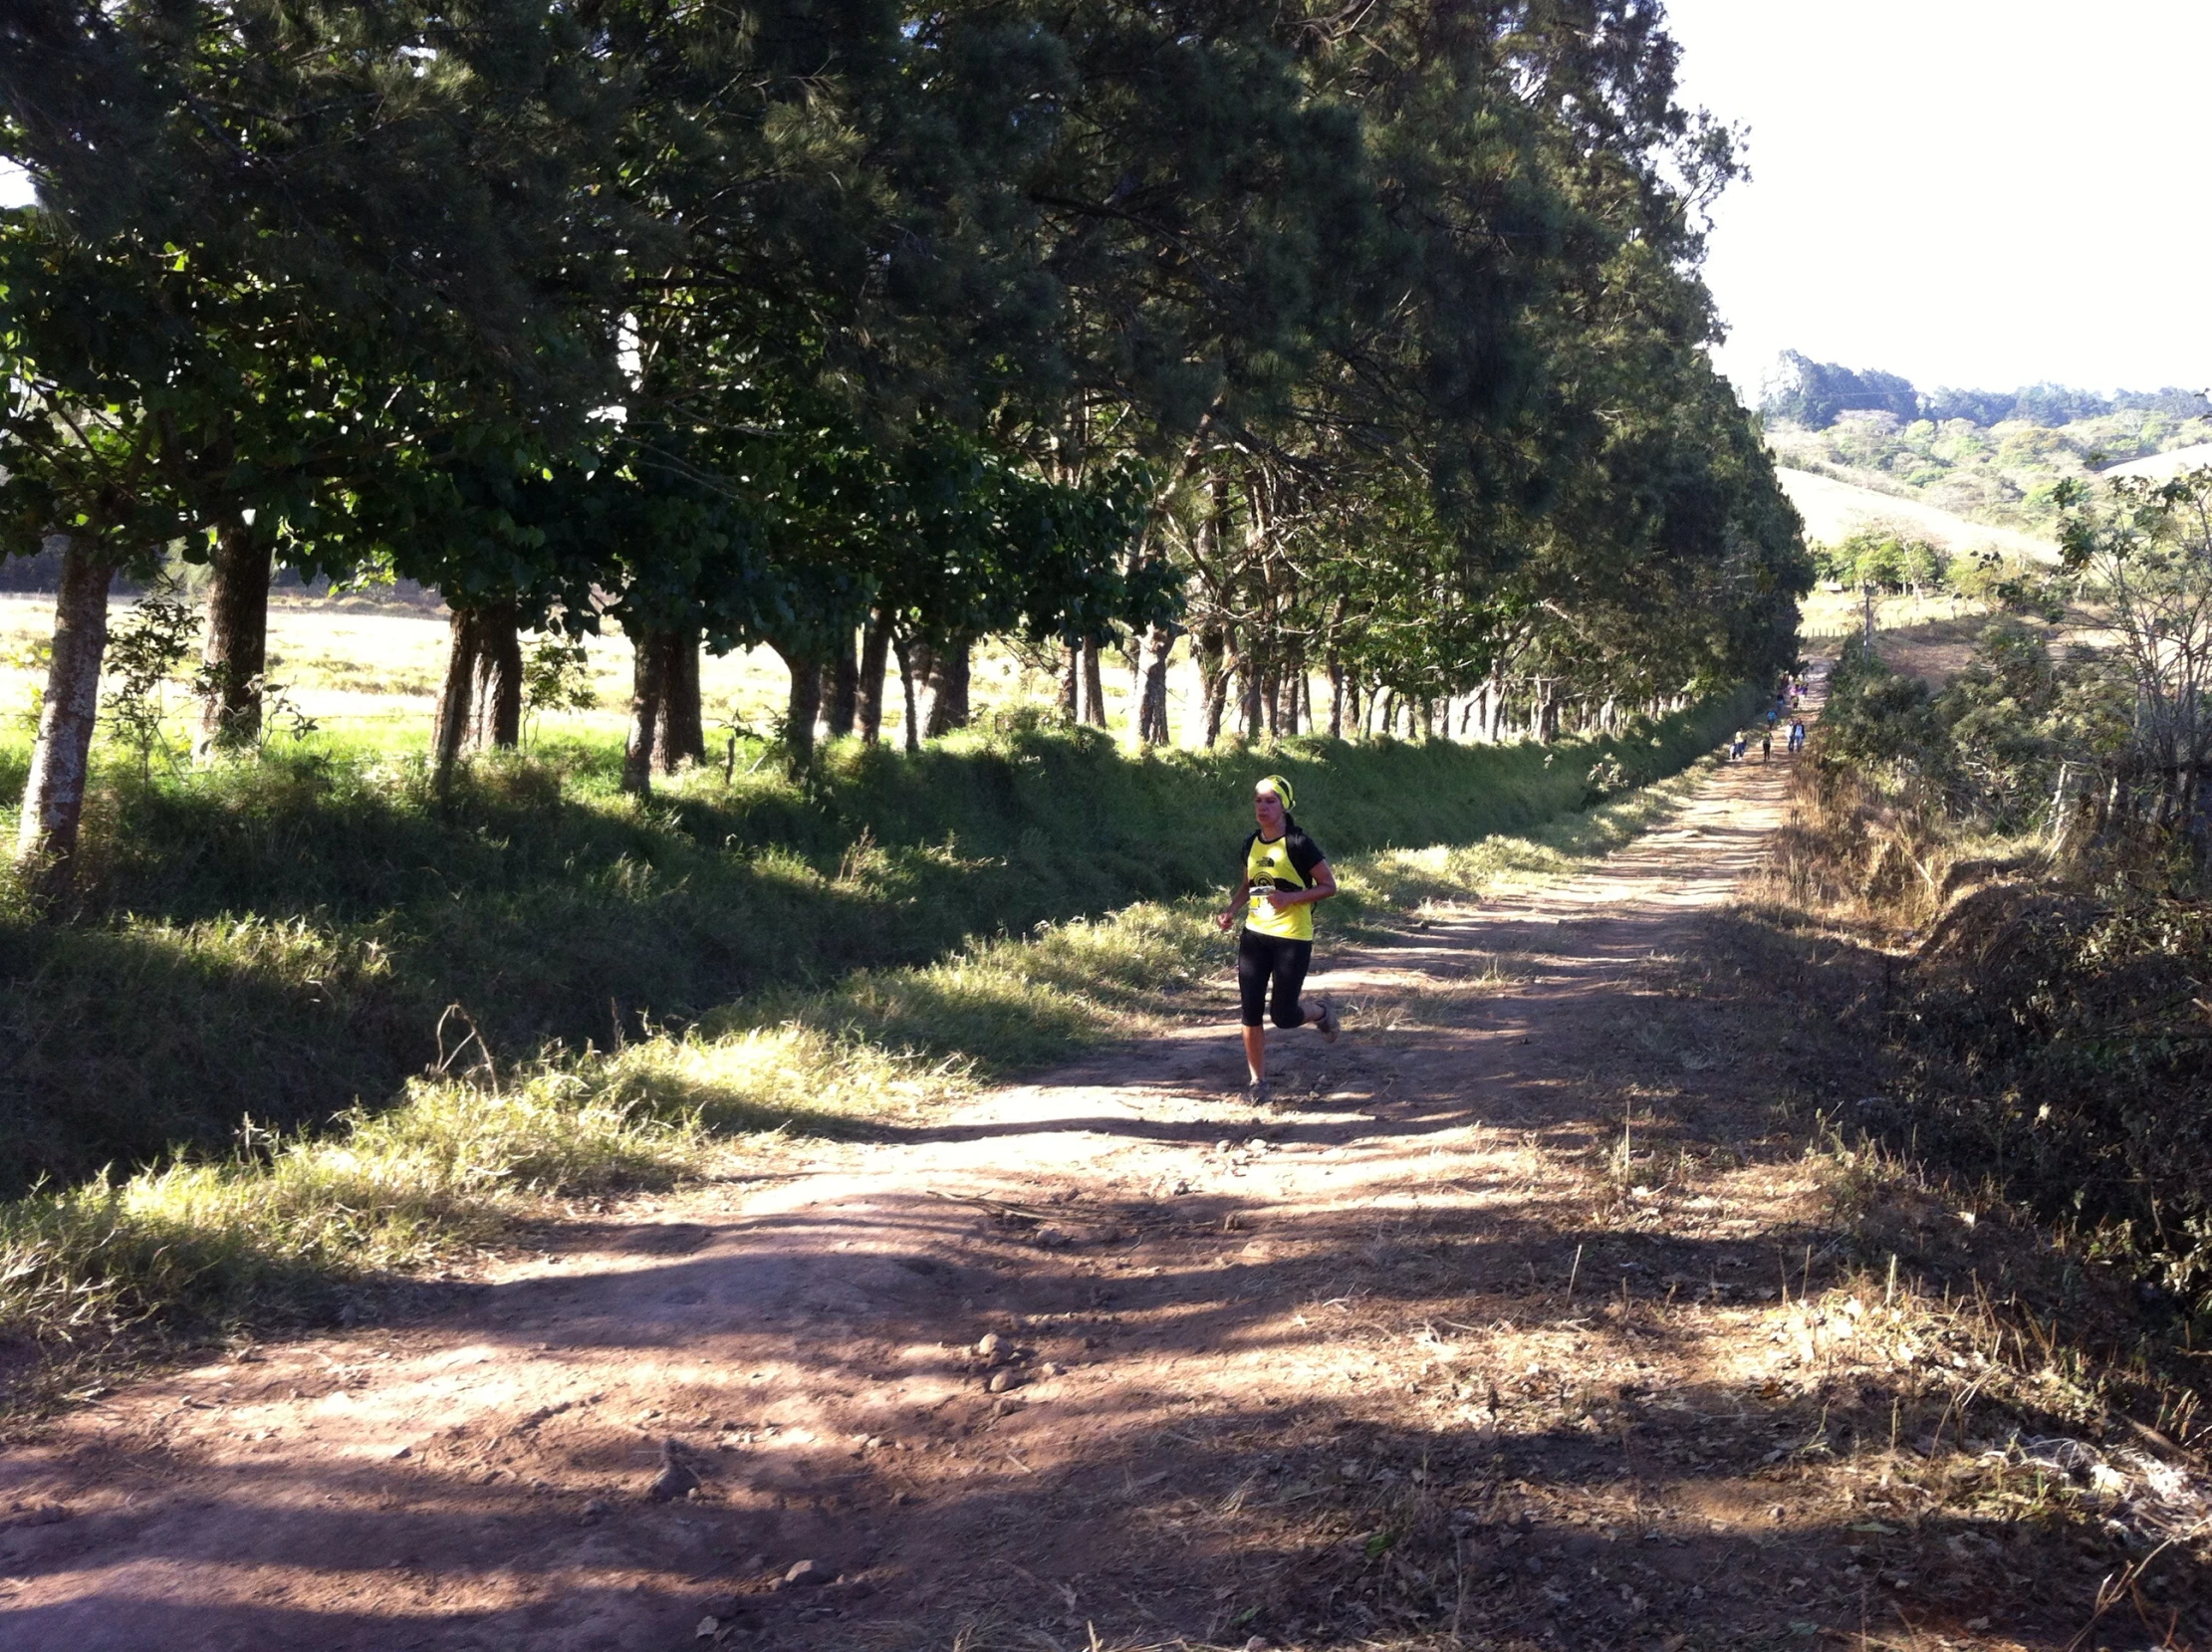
[(2063, 1036)]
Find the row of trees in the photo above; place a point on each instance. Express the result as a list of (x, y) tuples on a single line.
[(1363, 342), (1892, 560), (1883, 559), (1816, 395)]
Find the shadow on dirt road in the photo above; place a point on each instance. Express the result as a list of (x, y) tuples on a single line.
[(1524, 1319)]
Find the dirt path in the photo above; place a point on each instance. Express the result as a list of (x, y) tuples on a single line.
[(1489, 1326)]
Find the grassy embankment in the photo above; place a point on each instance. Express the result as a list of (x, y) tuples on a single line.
[(282, 942), (2043, 1000)]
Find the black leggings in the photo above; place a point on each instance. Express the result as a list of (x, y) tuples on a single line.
[(1265, 958)]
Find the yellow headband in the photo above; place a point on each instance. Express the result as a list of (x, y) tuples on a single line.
[(1277, 785)]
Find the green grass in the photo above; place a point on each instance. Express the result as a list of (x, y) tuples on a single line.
[(280, 1230), (282, 940)]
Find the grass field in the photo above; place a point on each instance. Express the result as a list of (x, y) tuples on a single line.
[(372, 675), (1835, 613)]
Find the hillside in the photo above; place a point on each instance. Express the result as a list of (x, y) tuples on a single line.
[(2160, 467), (1835, 510), (1994, 458)]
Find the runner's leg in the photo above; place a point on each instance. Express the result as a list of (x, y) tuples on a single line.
[(1292, 960), (1254, 962)]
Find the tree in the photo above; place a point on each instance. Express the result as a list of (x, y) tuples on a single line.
[(2145, 548), (311, 237)]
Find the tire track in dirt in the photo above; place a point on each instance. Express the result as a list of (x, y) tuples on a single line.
[(1468, 1333)]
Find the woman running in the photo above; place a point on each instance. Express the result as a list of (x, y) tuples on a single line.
[(1284, 872)]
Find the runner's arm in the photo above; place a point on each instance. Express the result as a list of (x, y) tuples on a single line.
[(1228, 914)]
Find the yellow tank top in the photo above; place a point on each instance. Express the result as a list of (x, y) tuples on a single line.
[(1270, 866)]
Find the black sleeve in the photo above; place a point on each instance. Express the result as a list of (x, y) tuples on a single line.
[(1244, 852), (1305, 855)]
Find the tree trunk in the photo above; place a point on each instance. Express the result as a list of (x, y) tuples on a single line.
[(876, 644), (457, 695), (1253, 675), (912, 723), (1093, 688), (844, 706), (803, 708), (1070, 684), (921, 660), (1270, 696), (236, 657), (1152, 698), (495, 713), (1213, 678), (648, 687), (54, 793), (948, 689), (1335, 698), (679, 731)]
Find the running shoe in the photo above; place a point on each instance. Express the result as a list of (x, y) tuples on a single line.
[(1325, 1024), (1257, 1093)]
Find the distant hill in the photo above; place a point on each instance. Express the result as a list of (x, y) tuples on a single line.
[(2160, 467), (1835, 510)]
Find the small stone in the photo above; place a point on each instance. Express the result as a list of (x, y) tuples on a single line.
[(1258, 1643), (1003, 1381), (599, 1505), (404, 1451), (1048, 1370), (677, 1479), (1222, 1146), (807, 1575), (755, 1564), (707, 1626), (993, 1346)]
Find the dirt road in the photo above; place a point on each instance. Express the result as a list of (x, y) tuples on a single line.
[(1495, 1325)]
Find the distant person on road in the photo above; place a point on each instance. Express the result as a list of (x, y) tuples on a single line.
[(1736, 752), (1766, 747), (1796, 734), (1284, 872)]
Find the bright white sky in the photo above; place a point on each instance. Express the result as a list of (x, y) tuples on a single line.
[(1971, 192)]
